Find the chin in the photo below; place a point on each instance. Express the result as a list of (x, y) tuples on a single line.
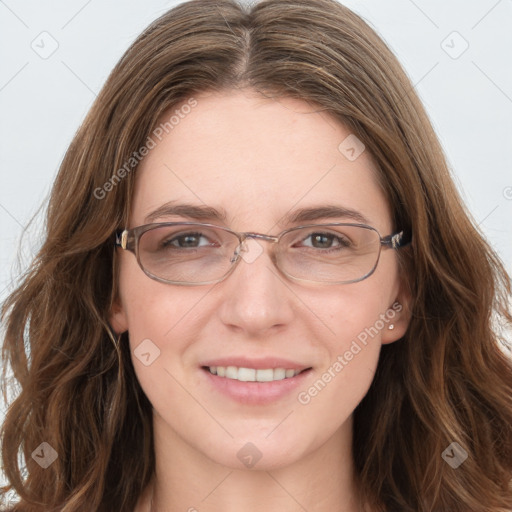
[(256, 453)]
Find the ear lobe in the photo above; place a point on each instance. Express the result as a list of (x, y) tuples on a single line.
[(117, 318), (399, 321)]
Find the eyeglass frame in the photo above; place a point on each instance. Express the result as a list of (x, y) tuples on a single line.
[(126, 237)]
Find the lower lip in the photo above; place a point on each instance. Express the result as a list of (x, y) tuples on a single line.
[(255, 393)]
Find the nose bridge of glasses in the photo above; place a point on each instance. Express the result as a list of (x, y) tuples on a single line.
[(259, 236), (248, 251)]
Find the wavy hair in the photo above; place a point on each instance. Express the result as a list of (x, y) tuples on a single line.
[(448, 380)]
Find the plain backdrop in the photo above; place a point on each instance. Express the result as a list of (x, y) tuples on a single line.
[(56, 55)]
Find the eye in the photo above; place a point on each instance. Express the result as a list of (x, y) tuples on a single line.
[(326, 241), (186, 240)]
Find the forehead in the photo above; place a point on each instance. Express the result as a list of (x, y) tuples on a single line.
[(256, 159)]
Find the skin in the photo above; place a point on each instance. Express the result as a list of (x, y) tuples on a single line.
[(257, 158)]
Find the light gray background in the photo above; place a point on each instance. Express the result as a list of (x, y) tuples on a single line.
[(43, 100)]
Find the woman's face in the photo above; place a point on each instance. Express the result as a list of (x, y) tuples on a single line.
[(258, 161)]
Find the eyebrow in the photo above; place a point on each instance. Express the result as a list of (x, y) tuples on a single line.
[(204, 212), (191, 211), (323, 212)]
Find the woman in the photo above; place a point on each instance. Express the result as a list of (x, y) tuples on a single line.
[(259, 288)]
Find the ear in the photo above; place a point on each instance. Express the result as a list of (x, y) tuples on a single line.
[(117, 317), (398, 316)]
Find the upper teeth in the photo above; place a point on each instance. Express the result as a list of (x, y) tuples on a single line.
[(253, 375)]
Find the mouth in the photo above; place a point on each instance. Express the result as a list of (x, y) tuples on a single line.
[(244, 374), (255, 382)]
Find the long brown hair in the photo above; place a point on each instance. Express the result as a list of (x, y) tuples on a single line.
[(447, 381)]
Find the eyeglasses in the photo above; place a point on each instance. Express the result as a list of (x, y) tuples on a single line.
[(190, 253)]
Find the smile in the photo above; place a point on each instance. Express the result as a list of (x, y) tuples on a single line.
[(252, 374)]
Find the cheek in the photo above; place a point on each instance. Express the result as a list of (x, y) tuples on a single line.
[(161, 331), (353, 318), (152, 309), (337, 388), (350, 342), (357, 312), (156, 314), (364, 310)]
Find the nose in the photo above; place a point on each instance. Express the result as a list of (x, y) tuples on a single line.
[(255, 297)]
